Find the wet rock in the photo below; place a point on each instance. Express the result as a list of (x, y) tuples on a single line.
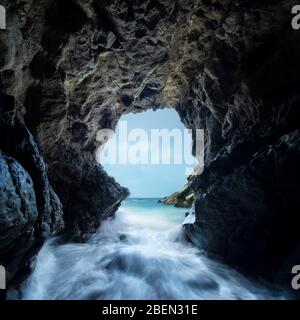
[(74, 67), (246, 208), (181, 199), (123, 237), (18, 214), (30, 211)]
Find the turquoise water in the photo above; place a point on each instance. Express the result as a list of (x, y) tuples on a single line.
[(151, 213), (140, 254)]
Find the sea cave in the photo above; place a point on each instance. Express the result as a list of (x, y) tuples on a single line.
[(71, 68)]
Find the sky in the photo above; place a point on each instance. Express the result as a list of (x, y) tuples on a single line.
[(146, 179)]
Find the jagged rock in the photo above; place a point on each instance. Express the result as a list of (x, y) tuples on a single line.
[(182, 199), (18, 212), (30, 211), (247, 205), (228, 67)]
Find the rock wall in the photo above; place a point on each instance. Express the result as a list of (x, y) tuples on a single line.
[(30, 211), (248, 101), (229, 67)]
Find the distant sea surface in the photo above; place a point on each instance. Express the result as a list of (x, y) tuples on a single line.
[(151, 213)]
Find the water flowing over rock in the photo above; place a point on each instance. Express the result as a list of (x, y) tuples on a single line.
[(228, 67)]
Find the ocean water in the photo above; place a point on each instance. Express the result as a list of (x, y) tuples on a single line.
[(140, 254)]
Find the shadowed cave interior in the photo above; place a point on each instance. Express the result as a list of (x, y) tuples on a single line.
[(70, 68)]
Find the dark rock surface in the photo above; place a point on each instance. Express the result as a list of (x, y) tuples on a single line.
[(228, 67), (30, 211), (247, 207)]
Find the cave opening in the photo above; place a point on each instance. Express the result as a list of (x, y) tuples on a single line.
[(71, 67), (150, 153)]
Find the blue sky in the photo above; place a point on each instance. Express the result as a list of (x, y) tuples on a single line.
[(151, 180)]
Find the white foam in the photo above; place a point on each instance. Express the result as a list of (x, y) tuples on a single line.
[(134, 257)]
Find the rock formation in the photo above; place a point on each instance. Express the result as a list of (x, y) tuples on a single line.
[(30, 211), (230, 67), (181, 199)]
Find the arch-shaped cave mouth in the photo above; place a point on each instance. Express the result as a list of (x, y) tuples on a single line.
[(63, 79), (150, 153)]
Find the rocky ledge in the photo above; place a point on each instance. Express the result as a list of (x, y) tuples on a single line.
[(181, 199)]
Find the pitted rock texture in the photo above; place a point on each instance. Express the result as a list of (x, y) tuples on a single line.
[(18, 215), (30, 211), (247, 204), (229, 67)]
